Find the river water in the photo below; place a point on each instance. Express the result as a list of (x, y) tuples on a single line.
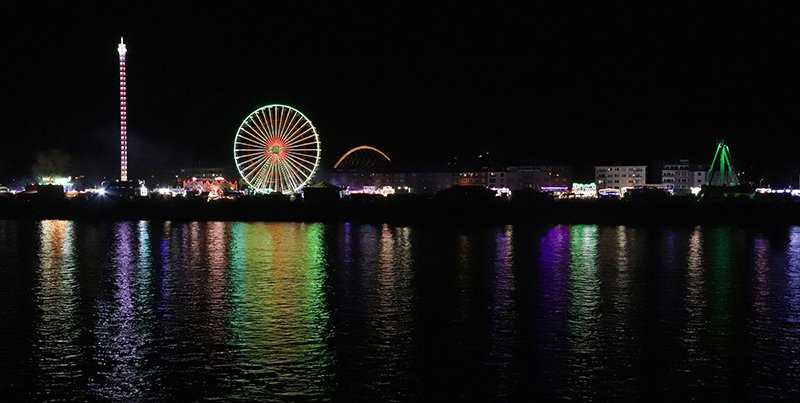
[(160, 311)]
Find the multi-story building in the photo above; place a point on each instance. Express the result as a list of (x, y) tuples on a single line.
[(515, 177), (697, 177), (677, 175), (537, 176), (619, 176)]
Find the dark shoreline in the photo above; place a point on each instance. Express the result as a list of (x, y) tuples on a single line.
[(414, 211)]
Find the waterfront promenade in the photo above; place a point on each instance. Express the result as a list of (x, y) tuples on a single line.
[(411, 209)]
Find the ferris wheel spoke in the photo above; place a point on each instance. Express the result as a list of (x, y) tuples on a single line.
[(298, 179), (301, 130), (247, 161), (297, 172), (301, 136), (259, 121), (244, 152), (281, 128), (256, 179), (272, 114), (291, 131), (268, 121), (302, 140), (254, 162), (249, 144), (290, 127), (243, 148), (267, 174), (301, 168), (286, 175), (293, 179), (302, 158), (250, 135), (294, 122), (244, 158), (260, 127), (253, 167), (255, 133), (295, 167), (252, 179), (274, 173), (248, 164), (276, 176), (282, 135), (270, 176), (257, 127), (248, 169), (282, 182), (294, 145)]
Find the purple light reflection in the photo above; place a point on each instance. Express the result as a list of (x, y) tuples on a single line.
[(120, 341)]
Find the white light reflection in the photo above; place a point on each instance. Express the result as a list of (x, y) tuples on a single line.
[(502, 315), (696, 303)]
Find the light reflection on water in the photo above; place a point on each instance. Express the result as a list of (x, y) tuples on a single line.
[(297, 311), (57, 352), (124, 318), (584, 311), (502, 318)]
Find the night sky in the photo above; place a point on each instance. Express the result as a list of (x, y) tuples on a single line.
[(423, 81)]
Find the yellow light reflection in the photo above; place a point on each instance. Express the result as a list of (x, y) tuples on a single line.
[(57, 352), (279, 314)]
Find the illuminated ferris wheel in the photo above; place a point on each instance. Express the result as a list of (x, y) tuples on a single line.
[(277, 149)]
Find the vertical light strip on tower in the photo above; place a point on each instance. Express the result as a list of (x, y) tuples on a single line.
[(123, 124)]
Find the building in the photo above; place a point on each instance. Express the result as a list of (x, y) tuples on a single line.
[(698, 175), (677, 174), (619, 176), (537, 176), (513, 177)]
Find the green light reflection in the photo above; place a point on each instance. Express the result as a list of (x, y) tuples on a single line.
[(279, 317), (584, 310)]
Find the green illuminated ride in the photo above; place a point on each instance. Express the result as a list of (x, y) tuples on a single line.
[(722, 173), (721, 178)]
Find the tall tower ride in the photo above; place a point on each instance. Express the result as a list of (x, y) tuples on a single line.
[(123, 118)]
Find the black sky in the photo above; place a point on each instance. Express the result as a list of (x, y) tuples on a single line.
[(576, 84)]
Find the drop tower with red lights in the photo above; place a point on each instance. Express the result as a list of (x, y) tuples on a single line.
[(123, 118)]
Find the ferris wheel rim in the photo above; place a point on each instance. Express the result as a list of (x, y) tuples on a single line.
[(272, 159)]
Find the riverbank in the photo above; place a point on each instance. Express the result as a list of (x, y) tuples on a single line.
[(409, 210)]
